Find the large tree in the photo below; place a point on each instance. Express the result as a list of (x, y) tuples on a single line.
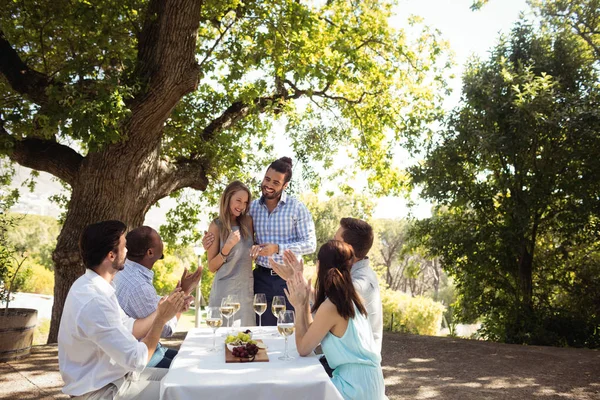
[(129, 101), (517, 177)]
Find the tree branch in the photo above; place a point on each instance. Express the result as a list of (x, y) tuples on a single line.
[(42, 155), (24, 80), (181, 174), (166, 63)]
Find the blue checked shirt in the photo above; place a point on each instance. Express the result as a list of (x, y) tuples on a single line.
[(289, 225), (136, 294)]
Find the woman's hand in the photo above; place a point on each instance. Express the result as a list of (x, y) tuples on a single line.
[(232, 240), (298, 290), (254, 251)]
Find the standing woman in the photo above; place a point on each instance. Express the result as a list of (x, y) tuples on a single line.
[(340, 324), (229, 255)]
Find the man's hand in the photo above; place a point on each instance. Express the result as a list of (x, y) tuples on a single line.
[(208, 240), (189, 282), (267, 250), (169, 306)]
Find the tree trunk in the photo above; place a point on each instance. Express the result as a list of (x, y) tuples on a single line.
[(116, 184)]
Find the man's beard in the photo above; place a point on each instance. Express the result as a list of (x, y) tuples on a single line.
[(119, 265), (274, 195)]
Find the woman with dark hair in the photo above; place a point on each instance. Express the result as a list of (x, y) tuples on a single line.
[(340, 324)]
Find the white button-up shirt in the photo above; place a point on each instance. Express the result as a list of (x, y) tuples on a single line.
[(137, 295), (96, 345), (366, 284)]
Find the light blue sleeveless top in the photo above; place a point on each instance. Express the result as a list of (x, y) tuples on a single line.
[(356, 361)]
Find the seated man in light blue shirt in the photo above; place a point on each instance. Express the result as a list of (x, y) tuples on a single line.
[(135, 291)]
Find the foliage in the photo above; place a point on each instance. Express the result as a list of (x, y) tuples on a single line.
[(516, 173), (365, 84), (36, 235), (327, 214), (9, 265), (36, 278), (419, 315)]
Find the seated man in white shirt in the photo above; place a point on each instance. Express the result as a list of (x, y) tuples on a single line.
[(359, 234), (99, 354)]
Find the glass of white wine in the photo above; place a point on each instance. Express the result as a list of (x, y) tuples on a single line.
[(226, 309), (215, 321), (285, 326), (277, 306), (234, 301), (260, 306)]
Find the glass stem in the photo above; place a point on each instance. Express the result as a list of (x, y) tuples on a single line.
[(214, 338), (285, 354), (260, 320)]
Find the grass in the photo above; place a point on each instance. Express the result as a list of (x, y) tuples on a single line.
[(188, 321), (40, 335)]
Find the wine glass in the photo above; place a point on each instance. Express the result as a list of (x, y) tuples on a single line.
[(234, 301), (260, 306), (226, 309), (285, 326), (277, 306), (214, 320)]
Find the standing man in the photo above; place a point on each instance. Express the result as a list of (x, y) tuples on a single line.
[(136, 293), (281, 223), (99, 354)]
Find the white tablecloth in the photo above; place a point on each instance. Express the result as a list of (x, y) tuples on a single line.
[(198, 374)]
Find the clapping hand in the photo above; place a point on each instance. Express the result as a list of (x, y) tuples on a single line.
[(298, 290), (170, 305), (190, 281)]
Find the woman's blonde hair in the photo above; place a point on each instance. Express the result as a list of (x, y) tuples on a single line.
[(225, 211)]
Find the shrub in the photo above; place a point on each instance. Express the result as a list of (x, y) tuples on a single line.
[(419, 315), (39, 279)]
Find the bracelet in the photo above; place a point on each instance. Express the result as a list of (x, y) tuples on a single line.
[(223, 256)]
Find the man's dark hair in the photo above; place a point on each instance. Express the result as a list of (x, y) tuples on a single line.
[(98, 239), (283, 166), (358, 234), (139, 241)]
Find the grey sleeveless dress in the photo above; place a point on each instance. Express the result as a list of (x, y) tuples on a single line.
[(235, 277)]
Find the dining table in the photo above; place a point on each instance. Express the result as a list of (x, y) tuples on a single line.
[(199, 373)]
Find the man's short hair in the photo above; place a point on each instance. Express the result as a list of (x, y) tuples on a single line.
[(358, 234), (139, 240), (98, 239)]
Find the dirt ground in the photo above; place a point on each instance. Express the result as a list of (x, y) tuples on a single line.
[(415, 367), (424, 367)]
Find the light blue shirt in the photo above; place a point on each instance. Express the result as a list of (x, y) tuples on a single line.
[(137, 295), (289, 225)]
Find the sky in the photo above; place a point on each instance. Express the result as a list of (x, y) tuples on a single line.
[(468, 33)]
